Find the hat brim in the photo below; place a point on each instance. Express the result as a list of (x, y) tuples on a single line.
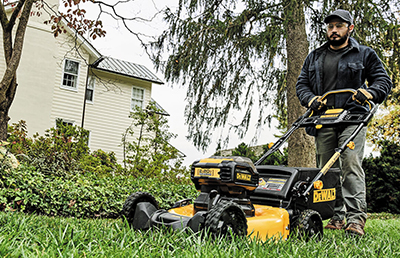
[(330, 17)]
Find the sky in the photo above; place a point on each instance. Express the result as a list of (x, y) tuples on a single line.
[(120, 43)]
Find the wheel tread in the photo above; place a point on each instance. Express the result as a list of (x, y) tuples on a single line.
[(128, 209), (215, 214)]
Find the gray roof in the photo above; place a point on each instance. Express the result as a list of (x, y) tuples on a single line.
[(133, 70), (158, 106)]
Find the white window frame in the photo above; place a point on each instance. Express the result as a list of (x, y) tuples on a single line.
[(75, 88), (136, 99), (91, 84)]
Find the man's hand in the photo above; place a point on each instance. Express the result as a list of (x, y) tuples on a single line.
[(316, 103), (362, 95)]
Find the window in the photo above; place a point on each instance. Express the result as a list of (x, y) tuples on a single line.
[(137, 98), (70, 76), (90, 89)]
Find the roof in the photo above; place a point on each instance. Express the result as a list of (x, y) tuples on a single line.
[(129, 69), (159, 107)]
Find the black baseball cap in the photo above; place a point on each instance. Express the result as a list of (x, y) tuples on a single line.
[(340, 13)]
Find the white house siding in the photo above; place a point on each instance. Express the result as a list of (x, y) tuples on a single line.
[(108, 117), (68, 103), (35, 77)]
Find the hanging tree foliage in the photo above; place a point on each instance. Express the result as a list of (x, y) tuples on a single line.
[(225, 57)]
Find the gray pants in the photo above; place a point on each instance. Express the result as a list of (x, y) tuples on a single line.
[(353, 206)]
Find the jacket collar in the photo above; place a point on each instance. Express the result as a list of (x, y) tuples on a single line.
[(352, 43)]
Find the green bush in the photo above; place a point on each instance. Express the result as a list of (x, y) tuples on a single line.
[(81, 195), (383, 179), (57, 152), (58, 175), (101, 162), (277, 158), (18, 138), (61, 150)]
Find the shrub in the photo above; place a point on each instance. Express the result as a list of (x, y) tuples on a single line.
[(59, 176), (383, 179), (18, 138), (57, 152), (81, 195), (61, 150), (277, 158), (101, 162)]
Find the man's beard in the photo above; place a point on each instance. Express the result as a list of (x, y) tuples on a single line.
[(340, 41)]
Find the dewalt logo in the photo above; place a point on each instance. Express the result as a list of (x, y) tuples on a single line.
[(242, 176), (324, 195)]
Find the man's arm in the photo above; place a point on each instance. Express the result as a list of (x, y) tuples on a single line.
[(379, 82), (303, 85)]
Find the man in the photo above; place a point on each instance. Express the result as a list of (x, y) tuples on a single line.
[(342, 63)]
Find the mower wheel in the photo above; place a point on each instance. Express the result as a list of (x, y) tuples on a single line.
[(226, 218), (129, 207), (308, 225)]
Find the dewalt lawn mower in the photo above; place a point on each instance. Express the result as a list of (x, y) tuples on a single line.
[(261, 201)]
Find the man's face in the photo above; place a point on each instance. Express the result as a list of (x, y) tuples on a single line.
[(338, 31)]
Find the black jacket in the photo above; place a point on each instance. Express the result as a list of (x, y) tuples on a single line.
[(358, 65)]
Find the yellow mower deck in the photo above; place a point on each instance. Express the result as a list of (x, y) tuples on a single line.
[(268, 222)]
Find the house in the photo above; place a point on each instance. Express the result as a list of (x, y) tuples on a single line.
[(67, 78)]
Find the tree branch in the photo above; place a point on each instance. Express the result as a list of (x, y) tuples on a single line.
[(15, 14)]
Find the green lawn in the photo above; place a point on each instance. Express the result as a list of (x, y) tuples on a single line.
[(24, 235)]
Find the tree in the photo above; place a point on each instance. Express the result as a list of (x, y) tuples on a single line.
[(244, 55), (235, 61), (150, 151)]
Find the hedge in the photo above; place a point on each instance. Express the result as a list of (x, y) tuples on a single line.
[(82, 195)]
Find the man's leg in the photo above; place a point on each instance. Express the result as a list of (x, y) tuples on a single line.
[(326, 142), (353, 183)]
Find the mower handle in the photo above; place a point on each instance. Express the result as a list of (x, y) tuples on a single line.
[(307, 114), (349, 90)]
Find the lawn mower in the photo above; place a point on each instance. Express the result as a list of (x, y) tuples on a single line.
[(261, 201)]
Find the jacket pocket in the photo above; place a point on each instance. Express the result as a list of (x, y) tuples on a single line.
[(356, 70), (312, 74)]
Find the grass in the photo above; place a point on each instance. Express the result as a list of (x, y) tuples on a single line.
[(24, 235)]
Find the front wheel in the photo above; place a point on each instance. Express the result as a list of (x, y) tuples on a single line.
[(308, 225), (129, 207), (226, 219)]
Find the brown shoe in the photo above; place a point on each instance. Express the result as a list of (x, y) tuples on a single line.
[(355, 229), (335, 224)]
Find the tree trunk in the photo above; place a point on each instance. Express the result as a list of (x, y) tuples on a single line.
[(5, 105), (12, 54), (4, 118), (301, 151)]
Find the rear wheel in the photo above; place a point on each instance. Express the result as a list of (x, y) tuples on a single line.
[(226, 219), (129, 207), (308, 225)]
